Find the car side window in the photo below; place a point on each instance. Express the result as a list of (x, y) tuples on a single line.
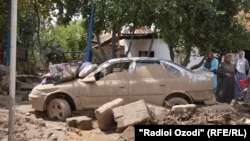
[(171, 69), (145, 62), (113, 68)]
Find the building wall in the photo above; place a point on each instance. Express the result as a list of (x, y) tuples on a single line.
[(159, 47)]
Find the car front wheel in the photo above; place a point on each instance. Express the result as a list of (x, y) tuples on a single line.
[(176, 101), (58, 109)]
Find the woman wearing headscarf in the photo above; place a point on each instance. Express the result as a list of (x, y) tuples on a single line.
[(225, 90), (241, 71), (211, 64)]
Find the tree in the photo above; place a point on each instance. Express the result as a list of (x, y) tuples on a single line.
[(205, 24), (68, 40), (3, 21)]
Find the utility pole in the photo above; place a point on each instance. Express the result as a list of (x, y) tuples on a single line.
[(12, 88), (90, 30)]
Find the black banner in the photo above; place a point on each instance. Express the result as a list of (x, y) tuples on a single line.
[(204, 132)]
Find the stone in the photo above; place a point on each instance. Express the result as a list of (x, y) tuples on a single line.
[(158, 113), (131, 114), (183, 109), (80, 122), (105, 116)]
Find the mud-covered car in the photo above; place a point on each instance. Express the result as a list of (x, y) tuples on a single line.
[(157, 81)]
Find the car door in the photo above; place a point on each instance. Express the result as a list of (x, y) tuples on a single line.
[(146, 82), (112, 82)]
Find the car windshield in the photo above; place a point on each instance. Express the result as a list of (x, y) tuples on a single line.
[(102, 65)]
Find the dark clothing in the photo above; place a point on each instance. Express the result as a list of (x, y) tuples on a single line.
[(225, 90)]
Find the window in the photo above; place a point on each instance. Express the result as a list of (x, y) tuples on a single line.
[(145, 53), (112, 68), (171, 68), (146, 62)]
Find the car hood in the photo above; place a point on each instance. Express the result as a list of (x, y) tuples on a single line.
[(70, 87), (201, 76), (46, 87)]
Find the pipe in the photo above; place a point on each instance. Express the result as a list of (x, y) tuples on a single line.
[(90, 30), (12, 88)]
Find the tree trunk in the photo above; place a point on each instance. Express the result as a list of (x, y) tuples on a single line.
[(187, 57), (38, 31), (130, 43), (151, 43), (100, 47), (115, 39), (209, 47), (171, 51), (97, 56)]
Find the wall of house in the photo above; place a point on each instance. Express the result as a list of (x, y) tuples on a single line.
[(159, 47), (160, 51)]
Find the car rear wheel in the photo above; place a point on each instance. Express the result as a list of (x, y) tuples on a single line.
[(58, 109), (175, 101)]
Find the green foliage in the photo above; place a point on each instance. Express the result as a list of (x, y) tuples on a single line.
[(197, 23), (204, 22), (27, 27), (68, 39), (3, 21)]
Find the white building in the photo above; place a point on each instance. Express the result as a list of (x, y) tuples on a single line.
[(141, 43), (140, 48)]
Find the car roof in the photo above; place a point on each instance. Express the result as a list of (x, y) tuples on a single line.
[(135, 59), (122, 59)]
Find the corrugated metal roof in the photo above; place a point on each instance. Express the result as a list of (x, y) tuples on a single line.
[(105, 37), (138, 32)]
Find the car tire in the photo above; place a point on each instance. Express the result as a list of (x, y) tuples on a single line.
[(58, 109), (176, 101)]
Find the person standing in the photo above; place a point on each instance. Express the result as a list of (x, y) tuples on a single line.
[(226, 83), (211, 64), (241, 72)]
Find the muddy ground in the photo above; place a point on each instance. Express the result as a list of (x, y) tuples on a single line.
[(36, 127)]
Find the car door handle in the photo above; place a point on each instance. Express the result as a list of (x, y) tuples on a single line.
[(122, 87), (162, 84)]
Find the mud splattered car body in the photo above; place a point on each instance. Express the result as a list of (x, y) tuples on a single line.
[(157, 81)]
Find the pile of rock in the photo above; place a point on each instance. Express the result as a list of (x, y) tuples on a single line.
[(121, 117)]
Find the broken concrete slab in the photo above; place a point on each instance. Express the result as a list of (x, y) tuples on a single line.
[(158, 113), (131, 114), (127, 135), (81, 122), (105, 116), (245, 121), (183, 109), (219, 107)]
